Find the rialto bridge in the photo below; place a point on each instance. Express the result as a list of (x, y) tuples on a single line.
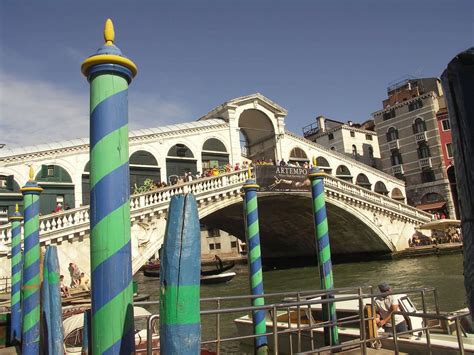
[(366, 207)]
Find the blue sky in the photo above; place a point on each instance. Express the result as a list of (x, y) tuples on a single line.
[(311, 57)]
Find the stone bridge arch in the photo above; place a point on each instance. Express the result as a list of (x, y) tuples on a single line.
[(351, 231)]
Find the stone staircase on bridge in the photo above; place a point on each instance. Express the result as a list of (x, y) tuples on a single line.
[(69, 230)]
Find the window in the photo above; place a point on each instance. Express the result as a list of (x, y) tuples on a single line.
[(368, 137), (333, 148), (446, 125), (419, 126), (392, 134), (423, 151), (427, 175), (3, 182), (396, 157), (353, 134), (218, 245), (449, 150), (211, 246), (50, 170), (330, 136), (415, 105), (354, 150), (389, 114), (371, 152), (233, 245), (214, 233)]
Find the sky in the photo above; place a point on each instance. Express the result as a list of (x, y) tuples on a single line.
[(331, 58)]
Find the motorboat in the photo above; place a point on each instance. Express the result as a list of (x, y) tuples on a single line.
[(443, 337), (217, 279), (74, 326)]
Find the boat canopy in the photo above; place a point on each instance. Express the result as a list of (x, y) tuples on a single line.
[(441, 224)]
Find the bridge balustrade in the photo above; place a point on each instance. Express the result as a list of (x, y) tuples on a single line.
[(68, 224)]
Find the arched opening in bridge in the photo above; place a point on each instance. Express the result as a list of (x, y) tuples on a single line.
[(433, 202), (363, 180), (398, 195), (179, 161), (10, 195), (454, 190), (143, 166), (298, 156), (58, 188), (86, 185), (380, 188), (258, 135), (323, 164), (342, 172), (214, 154)]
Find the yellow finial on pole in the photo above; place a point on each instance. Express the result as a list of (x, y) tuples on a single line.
[(249, 173), (109, 33), (315, 162), (16, 208), (31, 173)]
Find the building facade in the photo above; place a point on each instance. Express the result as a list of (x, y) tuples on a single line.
[(413, 147), (358, 141), (218, 242)]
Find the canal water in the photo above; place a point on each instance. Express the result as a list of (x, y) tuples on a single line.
[(442, 272)]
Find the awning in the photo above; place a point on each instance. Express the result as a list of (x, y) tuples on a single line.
[(431, 206), (441, 224)]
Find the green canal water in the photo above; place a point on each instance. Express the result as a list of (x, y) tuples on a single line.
[(442, 272)]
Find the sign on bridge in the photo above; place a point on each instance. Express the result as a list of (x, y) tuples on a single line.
[(282, 178)]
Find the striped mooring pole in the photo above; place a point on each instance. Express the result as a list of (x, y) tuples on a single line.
[(255, 263), (316, 176), (109, 74), (15, 328), (31, 269), (180, 273)]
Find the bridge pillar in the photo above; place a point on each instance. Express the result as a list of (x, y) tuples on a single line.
[(31, 269), (109, 74), (316, 176), (15, 329)]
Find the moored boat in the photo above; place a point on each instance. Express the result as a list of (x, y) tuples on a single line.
[(218, 269), (216, 279)]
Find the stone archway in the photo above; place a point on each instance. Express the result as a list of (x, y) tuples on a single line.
[(214, 154), (324, 164), (57, 188), (343, 172), (298, 155), (143, 166), (257, 135), (179, 160), (397, 194), (380, 188), (363, 180)]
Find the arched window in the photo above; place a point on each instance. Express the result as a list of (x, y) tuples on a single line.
[(397, 194), (179, 161), (180, 151), (57, 188), (380, 188), (214, 154), (322, 162), (419, 126), (363, 180), (392, 134), (143, 166), (396, 157), (423, 150), (298, 155), (342, 172)]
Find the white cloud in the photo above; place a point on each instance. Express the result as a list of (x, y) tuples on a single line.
[(35, 112)]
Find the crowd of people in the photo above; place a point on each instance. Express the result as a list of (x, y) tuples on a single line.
[(451, 235), (78, 280)]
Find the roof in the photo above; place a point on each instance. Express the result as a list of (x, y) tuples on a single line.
[(441, 224), (431, 206)]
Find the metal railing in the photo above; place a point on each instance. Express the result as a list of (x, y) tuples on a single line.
[(304, 337)]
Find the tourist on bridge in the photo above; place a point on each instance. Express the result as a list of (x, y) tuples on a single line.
[(75, 274), (385, 306)]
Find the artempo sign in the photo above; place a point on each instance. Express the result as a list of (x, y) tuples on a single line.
[(282, 178)]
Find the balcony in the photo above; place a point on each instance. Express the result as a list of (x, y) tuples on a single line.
[(393, 145), (420, 137), (397, 169), (425, 163)]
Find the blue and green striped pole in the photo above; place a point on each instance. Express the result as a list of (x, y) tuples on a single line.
[(55, 325), (109, 74), (255, 263), (46, 336), (15, 329), (316, 176), (180, 273), (31, 269)]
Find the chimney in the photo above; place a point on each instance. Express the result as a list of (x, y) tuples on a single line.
[(321, 123), (350, 123)]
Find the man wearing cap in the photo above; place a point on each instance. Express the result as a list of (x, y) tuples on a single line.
[(386, 305)]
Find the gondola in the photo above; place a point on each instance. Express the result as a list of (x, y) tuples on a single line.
[(217, 279), (218, 270)]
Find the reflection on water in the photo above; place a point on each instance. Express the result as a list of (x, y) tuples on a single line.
[(442, 272)]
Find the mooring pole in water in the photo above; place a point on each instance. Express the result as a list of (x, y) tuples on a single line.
[(255, 262), (109, 74), (180, 275), (458, 84), (56, 324), (316, 176), (31, 268), (46, 339), (15, 328)]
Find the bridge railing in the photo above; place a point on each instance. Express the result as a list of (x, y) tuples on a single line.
[(67, 224), (383, 201), (70, 223)]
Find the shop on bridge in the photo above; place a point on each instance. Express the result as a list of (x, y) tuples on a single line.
[(214, 154), (57, 188), (143, 166), (179, 161)]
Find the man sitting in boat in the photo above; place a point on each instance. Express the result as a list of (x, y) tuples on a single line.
[(64, 288), (385, 306)]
